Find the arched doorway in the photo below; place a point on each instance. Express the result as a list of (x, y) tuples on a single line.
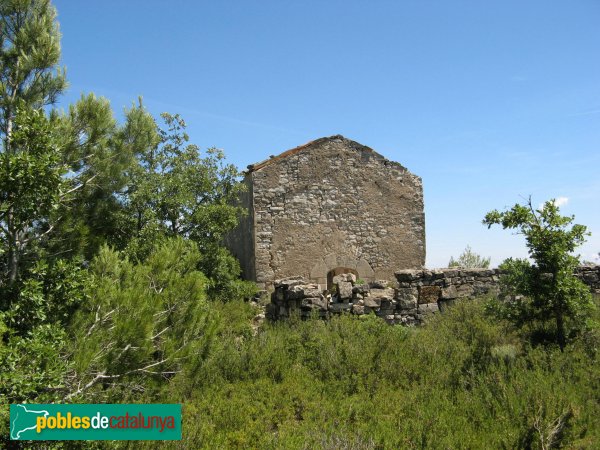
[(338, 271)]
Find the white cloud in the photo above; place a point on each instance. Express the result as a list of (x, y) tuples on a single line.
[(558, 201), (561, 201)]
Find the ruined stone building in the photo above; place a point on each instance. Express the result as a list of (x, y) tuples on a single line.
[(328, 207)]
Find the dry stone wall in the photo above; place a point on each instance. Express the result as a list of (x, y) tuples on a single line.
[(409, 300), (590, 275)]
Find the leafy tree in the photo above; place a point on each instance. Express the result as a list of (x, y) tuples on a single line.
[(34, 297), (50, 293), (174, 190), (551, 290), (33, 366), (469, 260), (178, 192), (29, 79), (31, 186)]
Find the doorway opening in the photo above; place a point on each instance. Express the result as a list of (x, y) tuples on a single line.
[(338, 271)]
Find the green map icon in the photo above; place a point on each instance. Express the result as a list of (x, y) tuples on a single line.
[(24, 421)]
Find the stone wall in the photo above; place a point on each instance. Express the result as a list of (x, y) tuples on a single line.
[(296, 294), (590, 275), (332, 203), (414, 295), (241, 240)]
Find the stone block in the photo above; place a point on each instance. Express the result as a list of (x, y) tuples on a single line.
[(372, 302), (272, 311), (428, 308), (311, 290), (360, 289), (344, 289), (278, 295), (408, 275), (357, 309), (344, 277), (289, 282), (449, 293), (387, 303), (465, 290), (294, 293), (404, 305), (480, 288), (387, 293), (340, 307), (429, 294), (379, 284), (451, 273), (590, 277), (409, 321), (315, 303), (408, 294)]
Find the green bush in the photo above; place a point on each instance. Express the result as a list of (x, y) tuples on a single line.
[(465, 380)]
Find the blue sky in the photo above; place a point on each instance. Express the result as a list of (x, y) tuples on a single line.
[(489, 102)]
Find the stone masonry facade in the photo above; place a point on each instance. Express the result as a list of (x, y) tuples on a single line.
[(329, 207)]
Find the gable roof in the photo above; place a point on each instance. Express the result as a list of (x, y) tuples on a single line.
[(338, 137)]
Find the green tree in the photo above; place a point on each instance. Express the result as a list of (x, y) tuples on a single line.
[(551, 290), (178, 192), (99, 153), (49, 294), (469, 260), (29, 79), (143, 322), (175, 190), (33, 367), (31, 185)]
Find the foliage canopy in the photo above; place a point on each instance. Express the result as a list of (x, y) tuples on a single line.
[(469, 260), (548, 285)]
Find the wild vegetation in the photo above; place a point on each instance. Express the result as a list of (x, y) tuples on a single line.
[(114, 287), (469, 260)]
